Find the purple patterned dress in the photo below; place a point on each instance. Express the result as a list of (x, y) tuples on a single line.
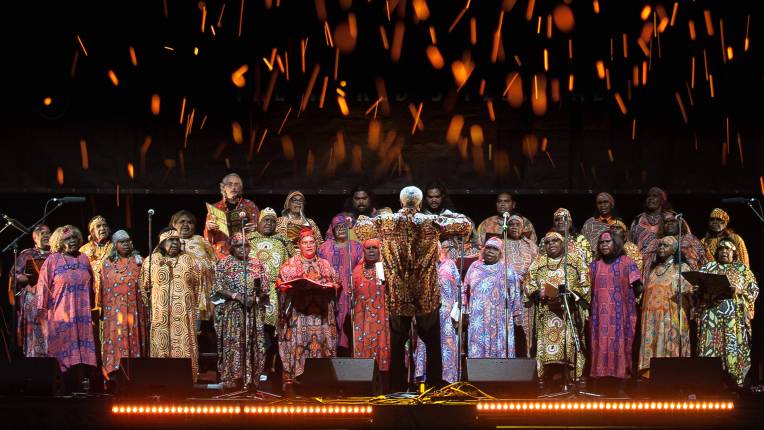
[(336, 254)]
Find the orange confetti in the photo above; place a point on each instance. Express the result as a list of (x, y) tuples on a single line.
[(711, 84), (155, 104), (433, 54), (269, 90), (709, 23), (761, 184), (681, 106), (491, 113), (323, 93), (309, 89), (454, 129), (746, 43), (84, 154), (133, 57), (320, 10), (113, 78), (539, 100), (182, 110), (375, 134), (287, 147), (645, 12), (621, 105), (610, 155), (395, 51), (458, 18), (130, 170), (421, 11), (47, 101), (729, 53), (673, 13), (596, 6), (476, 135), (60, 175), (345, 37), (383, 35), (417, 123), (433, 36), (530, 146), (343, 106), (546, 60), (563, 18), (600, 69), (514, 90), (285, 120), (238, 136), (82, 45), (625, 46), (634, 129), (570, 82), (555, 90), (529, 10), (691, 26)]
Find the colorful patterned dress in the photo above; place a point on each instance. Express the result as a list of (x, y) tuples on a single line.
[(289, 227), (239, 337), (337, 255), (520, 254), (613, 318), (554, 341), (206, 258), (595, 226), (171, 283), (220, 241), (271, 251), (372, 328), (660, 323), (710, 243), (64, 296), (493, 225), (29, 330), (448, 279), (97, 253), (724, 327), (490, 334), (307, 325), (123, 312)]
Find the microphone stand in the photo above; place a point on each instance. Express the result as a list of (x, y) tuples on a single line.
[(14, 245), (569, 389), (460, 306), (505, 285), (680, 221), (351, 293)]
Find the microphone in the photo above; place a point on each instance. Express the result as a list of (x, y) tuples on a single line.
[(151, 212), (69, 199), (505, 215), (737, 200), (679, 216), (15, 223)]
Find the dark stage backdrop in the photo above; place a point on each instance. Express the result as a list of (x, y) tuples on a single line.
[(130, 212)]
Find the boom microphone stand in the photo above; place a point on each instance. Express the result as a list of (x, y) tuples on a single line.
[(460, 306), (505, 285)]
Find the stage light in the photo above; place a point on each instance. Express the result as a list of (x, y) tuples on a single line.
[(611, 406)]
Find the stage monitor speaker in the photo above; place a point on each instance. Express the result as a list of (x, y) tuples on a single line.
[(31, 376), (503, 376), (169, 377), (702, 376), (339, 377)]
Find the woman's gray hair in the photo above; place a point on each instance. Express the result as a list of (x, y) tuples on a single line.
[(411, 196), (119, 235)]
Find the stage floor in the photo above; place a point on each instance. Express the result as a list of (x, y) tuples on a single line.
[(456, 408)]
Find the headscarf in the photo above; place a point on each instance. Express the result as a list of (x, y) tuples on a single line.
[(517, 217), (337, 220), (605, 235), (727, 243), (608, 196), (269, 211), (289, 197), (92, 224), (670, 241), (562, 212), (721, 214), (306, 232), (494, 242), (411, 196), (368, 243), (119, 236), (169, 234), (237, 239), (553, 235)]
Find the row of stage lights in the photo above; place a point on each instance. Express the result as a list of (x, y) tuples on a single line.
[(237, 410), (604, 406)]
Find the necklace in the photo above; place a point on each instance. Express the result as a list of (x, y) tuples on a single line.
[(667, 265), (548, 259)]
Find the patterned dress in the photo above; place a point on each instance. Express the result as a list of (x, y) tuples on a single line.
[(613, 319), (693, 253), (289, 227), (123, 312), (239, 337), (493, 225), (206, 259), (171, 283), (337, 255), (410, 251), (578, 245), (97, 253), (490, 334), (595, 226), (29, 330), (725, 326), (271, 251), (63, 294), (307, 326), (372, 329), (554, 341), (520, 254), (220, 241), (660, 334), (710, 243)]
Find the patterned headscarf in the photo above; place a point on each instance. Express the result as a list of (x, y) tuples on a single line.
[(608, 196), (553, 235), (517, 217), (605, 235), (289, 197), (494, 242), (169, 234), (411, 196), (305, 233), (337, 220), (267, 212), (727, 243), (118, 236), (94, 221), (670, 241), (721, 214), (563, 212), (237, 239)]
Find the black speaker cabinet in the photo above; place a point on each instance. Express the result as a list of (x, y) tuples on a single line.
[(503, 376), (154, 376), (31, 376), (339, 377), (702, 376)]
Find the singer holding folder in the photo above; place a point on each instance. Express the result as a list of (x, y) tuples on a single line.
[(725, 325), (718, 230)]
